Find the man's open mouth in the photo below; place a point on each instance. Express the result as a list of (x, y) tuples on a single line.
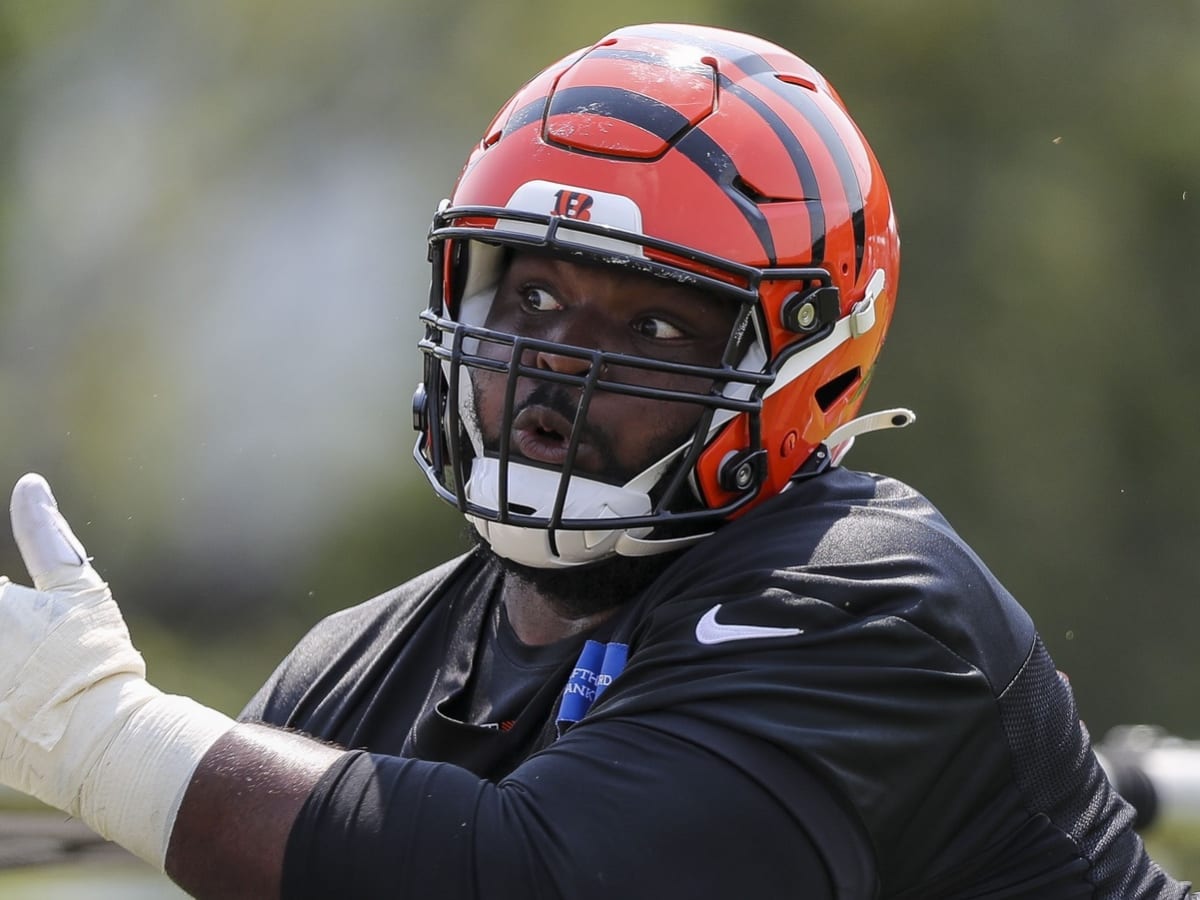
[(542, 435)]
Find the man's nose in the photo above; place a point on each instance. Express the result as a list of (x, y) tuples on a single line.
[(577, 333), (563, 363)]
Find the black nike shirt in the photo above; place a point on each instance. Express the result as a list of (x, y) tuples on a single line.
[(831, 697)]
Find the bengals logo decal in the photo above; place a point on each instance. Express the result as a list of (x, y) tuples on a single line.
[(573, 205)]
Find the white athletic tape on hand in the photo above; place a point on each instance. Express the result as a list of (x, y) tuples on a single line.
[(80, 728)]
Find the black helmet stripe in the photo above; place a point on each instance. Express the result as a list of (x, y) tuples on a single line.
[(526, 115), (757, 67), (715, 162), (804, 170), (802, 99), (662, 121), (667, 124)]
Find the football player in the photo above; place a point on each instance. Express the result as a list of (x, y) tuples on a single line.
[(691, 654)]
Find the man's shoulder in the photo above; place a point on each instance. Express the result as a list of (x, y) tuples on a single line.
[(398, 602), (877, 508), (350, 638), (842, 554), (842, 519)]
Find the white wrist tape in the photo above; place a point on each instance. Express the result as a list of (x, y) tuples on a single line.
[(133, 793)]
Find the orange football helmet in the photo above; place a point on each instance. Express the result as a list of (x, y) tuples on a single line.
[(705, 156)]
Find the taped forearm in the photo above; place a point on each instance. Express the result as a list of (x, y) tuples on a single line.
[(133, 794)]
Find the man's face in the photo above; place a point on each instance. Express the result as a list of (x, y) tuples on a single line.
[(600, 308)]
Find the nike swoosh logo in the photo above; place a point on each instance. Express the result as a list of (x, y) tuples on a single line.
[(710, 631)]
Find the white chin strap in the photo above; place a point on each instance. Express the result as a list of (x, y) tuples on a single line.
[(532, 491)]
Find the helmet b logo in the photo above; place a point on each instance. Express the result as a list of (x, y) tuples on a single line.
[(573, 205)]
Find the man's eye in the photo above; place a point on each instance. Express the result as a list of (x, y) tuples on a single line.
[(657, 329), (538, 299)]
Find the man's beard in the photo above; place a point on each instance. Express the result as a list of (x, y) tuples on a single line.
[(590, 588), (585, 590)]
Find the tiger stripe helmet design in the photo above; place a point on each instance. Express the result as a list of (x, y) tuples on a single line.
[(705, 156)]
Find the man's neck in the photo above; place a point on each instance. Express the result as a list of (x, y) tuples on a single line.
[(537, 619)]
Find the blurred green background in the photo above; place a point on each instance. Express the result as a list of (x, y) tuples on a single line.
[(212, 220)]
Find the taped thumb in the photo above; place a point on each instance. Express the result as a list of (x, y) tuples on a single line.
[(53, 555)]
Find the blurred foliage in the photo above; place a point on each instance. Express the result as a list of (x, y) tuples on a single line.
[(211, 260), (1176, 848)]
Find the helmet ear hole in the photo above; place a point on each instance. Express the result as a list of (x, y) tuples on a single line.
[(831, 391)]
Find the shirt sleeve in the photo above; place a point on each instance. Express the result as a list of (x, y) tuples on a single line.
[(620, 809)]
